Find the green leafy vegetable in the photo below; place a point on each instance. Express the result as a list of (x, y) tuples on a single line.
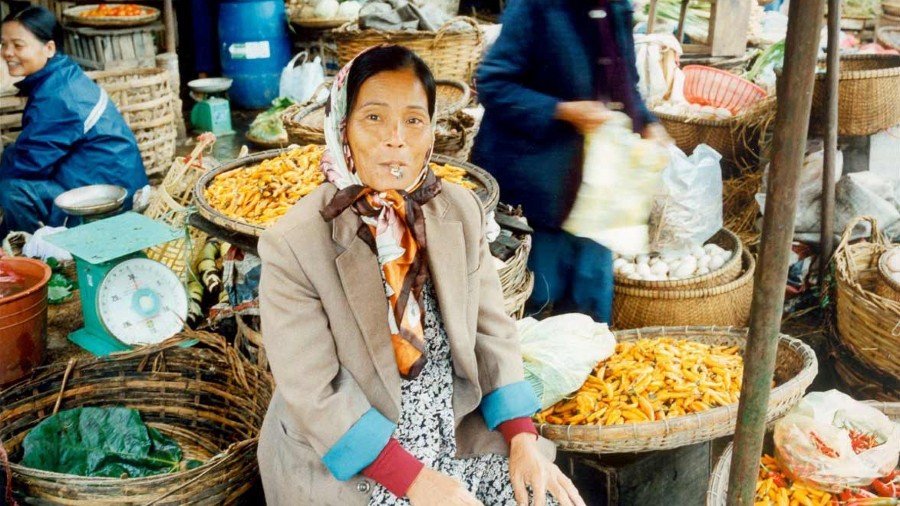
[(268, 125), (59, 288), (101, 442), (773, 56)]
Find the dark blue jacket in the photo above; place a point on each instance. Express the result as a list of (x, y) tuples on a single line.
[(72, 133), (545, 54)]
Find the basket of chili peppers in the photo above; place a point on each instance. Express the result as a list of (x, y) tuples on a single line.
[(855, 464)]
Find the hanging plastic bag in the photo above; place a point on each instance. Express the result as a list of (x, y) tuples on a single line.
[(688, 211), (620, 178), (832, 442), (299, 82), (560, 352)]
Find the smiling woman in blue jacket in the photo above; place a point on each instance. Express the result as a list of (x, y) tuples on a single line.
[(552, 76), (72, 135)]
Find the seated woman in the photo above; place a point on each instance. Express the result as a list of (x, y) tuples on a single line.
[(399, 375), (72, 135)]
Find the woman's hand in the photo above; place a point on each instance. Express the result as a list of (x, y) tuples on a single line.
[(527, 466), (657, 132), (434, 488), (586, 116)]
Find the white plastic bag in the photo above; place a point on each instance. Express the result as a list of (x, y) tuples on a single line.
[(299, 82), (38, 247), (621, 175), (560, 352), (813, 445), (688, 211)]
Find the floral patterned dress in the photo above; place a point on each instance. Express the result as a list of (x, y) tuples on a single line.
[(426, 427)]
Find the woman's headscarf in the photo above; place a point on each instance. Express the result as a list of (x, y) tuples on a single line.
[(392, 224)]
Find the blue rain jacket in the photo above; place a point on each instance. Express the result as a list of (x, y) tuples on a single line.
[(72, 134)]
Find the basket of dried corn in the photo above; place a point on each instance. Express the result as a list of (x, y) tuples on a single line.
[(667, 387), (251, 193), (866, 322), (208, 398), (776, 489)]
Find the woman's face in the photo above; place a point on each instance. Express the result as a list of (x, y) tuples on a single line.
[(24, 53), (389, 129)]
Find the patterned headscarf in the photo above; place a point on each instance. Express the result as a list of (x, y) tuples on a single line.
[(392, 224)]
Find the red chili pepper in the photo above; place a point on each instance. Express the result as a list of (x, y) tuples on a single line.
[(778, 479), (822, 447), (882, 489)]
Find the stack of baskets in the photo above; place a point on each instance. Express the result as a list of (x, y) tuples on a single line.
[(867, 90), (170, 204), (864, 338), (146, 101), (720, 298), (208, 398), (796, 367), (717, 492), (452, 52)]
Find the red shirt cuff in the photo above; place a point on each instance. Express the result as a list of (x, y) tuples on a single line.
[(395, 468), (516, 426)]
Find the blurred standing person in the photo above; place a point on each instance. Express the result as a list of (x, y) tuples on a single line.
[(553, 75)]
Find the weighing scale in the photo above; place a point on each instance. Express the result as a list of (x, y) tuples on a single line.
[(127, 299), (211, 113)]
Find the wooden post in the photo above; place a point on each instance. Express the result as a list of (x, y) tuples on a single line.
[(169, 21), (795, 87), (831, 129), (681, 16), (651, 17)]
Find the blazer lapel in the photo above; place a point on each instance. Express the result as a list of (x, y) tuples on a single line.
[(447, 263), (361, 279)]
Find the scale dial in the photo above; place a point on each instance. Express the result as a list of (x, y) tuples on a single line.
[(141, 301)]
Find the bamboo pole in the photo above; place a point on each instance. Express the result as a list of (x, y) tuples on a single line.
[(169, 21), (791, 125), (831, 135)]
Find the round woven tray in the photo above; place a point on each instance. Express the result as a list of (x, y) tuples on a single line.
[(207, 398), (868, 87), (889, 36), (723, 305), (890, 8), (73, 15), (725, 274), (885, 286), (717, 492), (796, 367), (488, 191), (262, 143), (867, 323), (450, 53)]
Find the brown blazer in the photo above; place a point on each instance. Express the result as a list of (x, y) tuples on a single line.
[(325, 330)]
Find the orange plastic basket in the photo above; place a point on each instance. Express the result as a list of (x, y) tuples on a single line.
[(718, 88)]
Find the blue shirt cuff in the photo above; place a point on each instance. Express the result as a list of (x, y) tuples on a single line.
[(359, 446), (508, 402)]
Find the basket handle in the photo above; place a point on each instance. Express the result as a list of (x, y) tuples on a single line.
[(479, 36), (876, 236)]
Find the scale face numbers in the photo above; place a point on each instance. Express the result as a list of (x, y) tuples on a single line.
[(141, 302)]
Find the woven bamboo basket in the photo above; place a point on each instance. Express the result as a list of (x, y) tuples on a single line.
[(738, 139), (867, 324), (858, 378), (248, 342), (73, 15), (717, 492), (170, 204), (885, 286), (209, 399), (723, 305), (147, 103), (516, 280), (450, 53), (725, 274), (868, 88), (796, 367), (455, 136), (488, 191)]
